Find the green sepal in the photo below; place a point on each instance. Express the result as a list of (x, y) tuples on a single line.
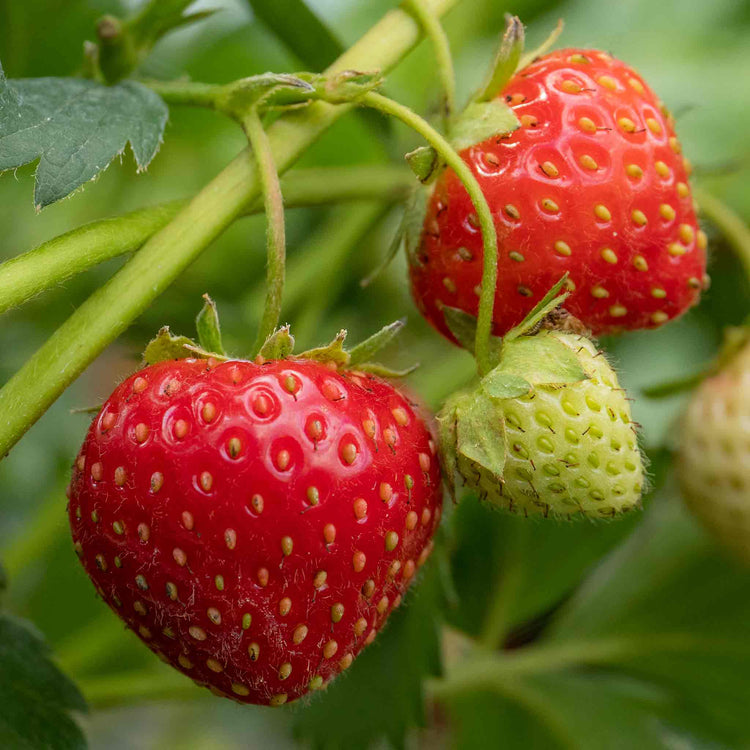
[(506, 59), (165, 346), (464, 327), (500, 384), (208, 327), (362, 352), (447, 420), (279, 345), (544, 47), (333, 352), (551, 301), (480, 434), (347, 85), (541, 359), (266, 89), (424, 162), (381, 371), (482, 120)]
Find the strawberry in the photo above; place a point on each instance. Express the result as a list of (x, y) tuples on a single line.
[(713, 463), (255, 522), (548, 432), (592, 182)]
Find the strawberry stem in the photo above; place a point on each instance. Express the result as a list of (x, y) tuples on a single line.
[(435, 32), (275, 232), (489, 236)]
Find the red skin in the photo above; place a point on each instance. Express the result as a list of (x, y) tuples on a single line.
[(225, 534), (509, 172)]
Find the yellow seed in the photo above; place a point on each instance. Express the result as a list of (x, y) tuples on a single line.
[(337, 612), (253, 651), (609, 255), (214, 665), (667, 212), (607, 82), (239, 689), (634, 171), (570, 87), (278, 700), (330, 649), (320, 578), (683, 190), (528, 121), (316, 682), (617, 311), (549, 205), (285, 606), (626, 124), (512, 211), (653, 125), (661, 169), (674, 248), (285, 670), (184, 662), (400, 415), (639, 218), (686, 233), (287, 545), (602, 212), (516, 256), (346, 661), (579, 58), (687, 166), (563, 248), (587, 125), (599, 292), (450, 287), (658, 293), (300, 633), (391, 541), (659, 317), (588, 162), (636, 85), (702, 240), (550, 169), (674, 144)]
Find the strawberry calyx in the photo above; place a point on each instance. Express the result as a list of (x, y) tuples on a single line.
[(279, 345)]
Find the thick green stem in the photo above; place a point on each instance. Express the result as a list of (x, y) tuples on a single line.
[(110, 310), (61, 258), (731, 226), (189, 93), (434, 30), (273, 204), (489, 235)]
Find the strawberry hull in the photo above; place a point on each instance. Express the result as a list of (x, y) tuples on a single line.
[(255, 524)]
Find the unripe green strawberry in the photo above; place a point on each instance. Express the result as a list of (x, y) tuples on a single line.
[(548, 432), (714, 458)]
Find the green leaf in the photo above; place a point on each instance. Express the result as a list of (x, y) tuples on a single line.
[(480, 435), (166, 346), (423, 161), (482, 120), (333, 352), (506, 59), (362, 352), (300, 30), (551, 301), (75, 127), (447, 421), (279, 345), (541, 359), (36, 698), (499, 384), (208, 327), (380, 695)]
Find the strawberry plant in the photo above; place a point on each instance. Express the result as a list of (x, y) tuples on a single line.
[(515, 537)]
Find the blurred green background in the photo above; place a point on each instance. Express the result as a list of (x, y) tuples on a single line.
[(644, 578)]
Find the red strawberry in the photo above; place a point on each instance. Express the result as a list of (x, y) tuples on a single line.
[(592, 183), (255, 524)]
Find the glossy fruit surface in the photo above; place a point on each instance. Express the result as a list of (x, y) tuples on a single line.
[(593, 183), (255, 524)]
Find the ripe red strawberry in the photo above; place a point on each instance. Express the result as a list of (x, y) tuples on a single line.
[(255, 524), (592, 183)]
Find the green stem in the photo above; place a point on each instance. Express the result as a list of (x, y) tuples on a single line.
[(435, 32), (61, 258), (731, 226), (187, 93), (484, 215), (273, 204), (111, 309)]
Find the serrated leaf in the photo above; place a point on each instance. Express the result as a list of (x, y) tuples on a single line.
[(506, 60), (279, 345), (36, 698), (541, 359), (333, 352), (165, 345), (208, 327), (482, 120), (499, 384), (380, 695), (480, 435), (551, 301), (75, 127), (362, 352)]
